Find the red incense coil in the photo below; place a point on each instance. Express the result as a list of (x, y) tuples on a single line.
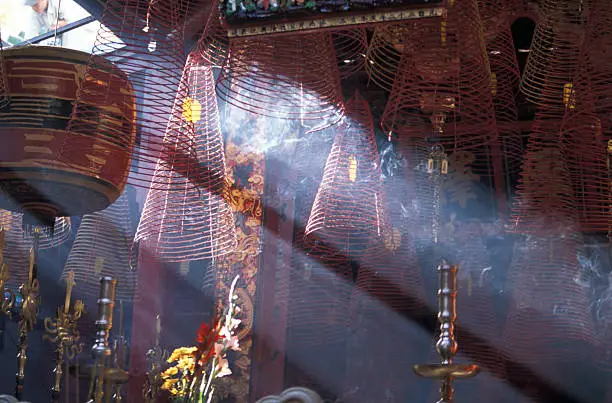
[(3, 82), (505, 78), (350, 46), (321, 290), (294, 77), (596, 63), (180, 221), (214, 42), (549, 319), (588, 159), (350, 208), (141, 29), (17, 242), (442, 89), (384, 54), (102, 248), (554, 54)]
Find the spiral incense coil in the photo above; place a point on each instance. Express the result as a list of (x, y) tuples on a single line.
[(292, 77), (549, 319), (588, 161), (213, 44), (554, 54), (594, 75), (384, 54), (3, 82), (321, 293), (544, 202), (151, 33), (350, 46), (350, 208), (102, 248), (505, 78), (180, 221), (17, 243), (389, 292), (442, 89)]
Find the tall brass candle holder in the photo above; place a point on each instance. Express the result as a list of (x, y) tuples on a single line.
[(101, 350), (29, 310), (156, 357), (446, 346), (62, 330)]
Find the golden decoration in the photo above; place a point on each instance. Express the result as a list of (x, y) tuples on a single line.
[(568, 96), (246, 313), (352, 168), (192, 110), (393, 240)]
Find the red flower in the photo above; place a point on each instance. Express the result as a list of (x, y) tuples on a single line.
[(206, 338)]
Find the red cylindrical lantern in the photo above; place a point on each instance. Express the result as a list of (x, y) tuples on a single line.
[(37, 174)]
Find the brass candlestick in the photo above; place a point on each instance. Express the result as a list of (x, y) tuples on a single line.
[(29, 310), (156, 356), (446, 346), (63, 331), (101, 350)]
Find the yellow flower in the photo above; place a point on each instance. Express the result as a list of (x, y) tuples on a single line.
[(169, 372), (181, 352), (169, 384)]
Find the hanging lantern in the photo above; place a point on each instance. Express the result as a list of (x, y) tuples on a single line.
[(37, 174)]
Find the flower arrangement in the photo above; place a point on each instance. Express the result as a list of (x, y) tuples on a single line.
[(192, 371)]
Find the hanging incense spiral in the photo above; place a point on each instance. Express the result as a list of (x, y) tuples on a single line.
[(446, 346), (64, 332)]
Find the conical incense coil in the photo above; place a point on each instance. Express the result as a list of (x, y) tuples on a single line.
[(102, 248), (594, 74), (588, 160), (17, 242), (3, 83), (295, 77), (554, 54), (544, 202), (549, 319), (442, 89), (321, 293), (151, 33), (213, 44), (384, 54), (389, 293), (350, 207), (181, 221), (350, 46), (505, 78)]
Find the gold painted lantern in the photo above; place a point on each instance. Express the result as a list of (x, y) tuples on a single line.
[(37, 173)]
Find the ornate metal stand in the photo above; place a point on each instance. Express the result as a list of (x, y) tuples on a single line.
[(7, 297), (64, 332), (29, 310), (156, 356), (446, 346), (101, 350)]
